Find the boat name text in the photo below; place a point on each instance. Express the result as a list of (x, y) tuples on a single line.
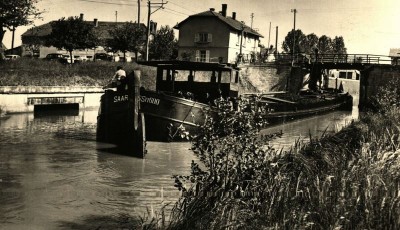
[(150, 100), (120, 98)]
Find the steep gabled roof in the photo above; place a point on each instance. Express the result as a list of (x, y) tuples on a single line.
[(394, 52), (232, 23)]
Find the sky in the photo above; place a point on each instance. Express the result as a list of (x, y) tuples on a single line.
[(367, 26)]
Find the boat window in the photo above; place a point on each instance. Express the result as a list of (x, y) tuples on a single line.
[(342, 74), (357, 76), (349, 75)]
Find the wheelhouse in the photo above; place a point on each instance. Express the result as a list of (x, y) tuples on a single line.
[(202, 80)]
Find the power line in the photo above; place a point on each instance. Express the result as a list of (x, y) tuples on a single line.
[(181, 7), (176, 11), (109, 3)]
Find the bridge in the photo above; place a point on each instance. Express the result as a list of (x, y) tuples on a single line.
[(375, 70)]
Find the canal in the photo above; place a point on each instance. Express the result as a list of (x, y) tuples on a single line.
[(54, 175)]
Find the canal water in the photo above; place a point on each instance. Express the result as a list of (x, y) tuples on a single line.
[(54, 175)]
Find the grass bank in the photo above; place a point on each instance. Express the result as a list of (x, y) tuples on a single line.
[(350, 180), (38, 72)]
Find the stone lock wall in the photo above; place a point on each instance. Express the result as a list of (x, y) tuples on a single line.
[(375, 78), (272, 78)]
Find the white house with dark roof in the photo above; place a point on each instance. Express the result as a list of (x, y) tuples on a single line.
[(210, 36), (38, 34)]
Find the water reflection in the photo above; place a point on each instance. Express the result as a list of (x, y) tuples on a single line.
[(53, 174)]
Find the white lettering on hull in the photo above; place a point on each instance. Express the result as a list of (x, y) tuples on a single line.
[(120, 98), (150, 100)]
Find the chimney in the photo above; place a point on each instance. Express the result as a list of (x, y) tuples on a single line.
[(212, 9), (234, 15), (81, 17), (224, 7), (96, 23)]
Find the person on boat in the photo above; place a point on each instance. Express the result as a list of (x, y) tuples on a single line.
[(120, 78), (120, 74)]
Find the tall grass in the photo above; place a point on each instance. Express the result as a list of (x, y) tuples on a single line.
[(346, 181), (38, 72)]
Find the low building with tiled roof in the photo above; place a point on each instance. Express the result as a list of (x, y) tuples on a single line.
[(394, 54), (212, 36), (35, 37)]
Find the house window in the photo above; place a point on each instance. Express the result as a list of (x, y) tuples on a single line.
[(203, 55), (203, 37)]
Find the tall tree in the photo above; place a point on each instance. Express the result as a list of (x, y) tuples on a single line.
[(15, 13), (325, 45), (71, 34), (312, 42), (164, 44), (338, 45), (128, 37), (300, 38)]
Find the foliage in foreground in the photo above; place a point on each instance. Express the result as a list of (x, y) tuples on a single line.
[(346, 181)]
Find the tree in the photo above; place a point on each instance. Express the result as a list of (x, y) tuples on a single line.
[(312, 42), (307, 43), (128, 37), (338, 45), (71, 34), (15, 13), (164, 45), (287, 45), (325, 45)]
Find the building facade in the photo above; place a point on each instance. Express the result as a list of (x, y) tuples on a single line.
[(215, 37), (33, 40)]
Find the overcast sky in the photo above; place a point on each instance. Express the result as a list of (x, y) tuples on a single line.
[(367, 26)]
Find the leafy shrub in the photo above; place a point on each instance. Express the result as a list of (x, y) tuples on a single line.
[(345, 181)]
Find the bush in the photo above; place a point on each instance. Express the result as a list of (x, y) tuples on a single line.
[(346, 181)]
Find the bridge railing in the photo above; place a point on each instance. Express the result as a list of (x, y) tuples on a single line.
[(302, 58)]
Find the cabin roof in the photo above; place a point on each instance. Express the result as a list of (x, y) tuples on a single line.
[(189, 65)]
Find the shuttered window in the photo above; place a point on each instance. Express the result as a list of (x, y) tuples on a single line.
[(203, 37)]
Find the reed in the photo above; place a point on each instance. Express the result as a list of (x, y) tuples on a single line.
[(349, 180)]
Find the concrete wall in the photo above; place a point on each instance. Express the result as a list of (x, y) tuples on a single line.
[(17, 99), (374, 78), (272, 78)]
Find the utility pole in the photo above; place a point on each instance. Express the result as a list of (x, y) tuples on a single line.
[(116, 16), (252, 17), (269, 34), (138, 12), (12, 40), (294, 32), (276, 41), (159, 5), (241, 43)]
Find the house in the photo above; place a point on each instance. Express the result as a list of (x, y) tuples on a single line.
[(33, 40), (394, 54), (212, 36)]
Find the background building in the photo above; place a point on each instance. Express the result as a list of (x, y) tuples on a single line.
[(215, 37), (33, 40)]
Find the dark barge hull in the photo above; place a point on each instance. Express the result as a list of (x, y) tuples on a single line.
[(171, 118), (293, 112), (168, 118)]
